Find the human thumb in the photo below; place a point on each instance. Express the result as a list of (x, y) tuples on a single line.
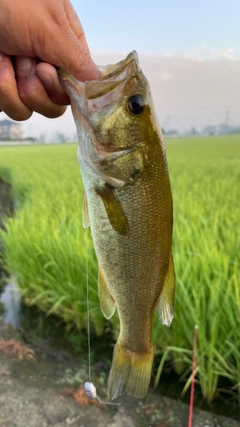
[(77, 59)]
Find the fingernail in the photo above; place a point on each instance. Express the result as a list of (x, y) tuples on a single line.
[(24, 63)]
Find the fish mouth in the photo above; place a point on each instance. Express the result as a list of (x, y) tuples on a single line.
[(112, 76), (115, 70), (108, 71)]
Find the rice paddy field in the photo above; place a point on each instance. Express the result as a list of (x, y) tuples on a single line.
[(46, 248)]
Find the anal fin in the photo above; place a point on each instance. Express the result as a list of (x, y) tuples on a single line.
[(107, 303), (165, 303)]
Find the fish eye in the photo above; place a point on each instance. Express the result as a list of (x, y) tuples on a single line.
[(136, 104)]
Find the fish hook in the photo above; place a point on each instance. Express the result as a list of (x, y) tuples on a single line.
[(91, 392)]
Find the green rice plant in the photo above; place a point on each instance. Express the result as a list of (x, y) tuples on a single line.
[(5, 174), (205, 180), (46, 246), (45, 243)]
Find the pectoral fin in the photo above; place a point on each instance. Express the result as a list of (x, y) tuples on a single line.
[(107, 303), (115, 212), (85, 214), (165, 303)]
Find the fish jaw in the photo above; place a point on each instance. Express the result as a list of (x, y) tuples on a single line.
[(74, 88), (88, 153), (120, 69), (76, 92)]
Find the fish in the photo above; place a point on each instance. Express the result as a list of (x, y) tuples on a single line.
[(128, 205)]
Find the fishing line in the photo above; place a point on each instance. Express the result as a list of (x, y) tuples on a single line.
[(88, 317), (89, 387)]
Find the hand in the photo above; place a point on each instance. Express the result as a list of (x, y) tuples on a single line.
[(40, 30), (27, 86)]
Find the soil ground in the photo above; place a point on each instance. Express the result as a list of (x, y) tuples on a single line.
[(39, 392)]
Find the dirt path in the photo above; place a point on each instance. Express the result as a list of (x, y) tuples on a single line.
[(33, 394)]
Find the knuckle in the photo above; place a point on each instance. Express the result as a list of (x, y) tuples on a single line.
[(54, 112), (10, 100), (5, 84), (27, 94), (42, 104), (21, 116), (15, 109)]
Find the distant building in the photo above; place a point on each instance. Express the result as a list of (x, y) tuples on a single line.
[(10, 130), (210, 130)]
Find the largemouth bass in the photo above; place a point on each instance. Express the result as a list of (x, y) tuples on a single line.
[(128, 204)]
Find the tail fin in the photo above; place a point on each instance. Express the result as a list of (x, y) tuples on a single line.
[(130, 372)]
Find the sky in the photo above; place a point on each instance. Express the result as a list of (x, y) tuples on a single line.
[(188, 50)]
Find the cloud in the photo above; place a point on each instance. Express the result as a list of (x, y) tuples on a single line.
[(199, 94), (228, 53)]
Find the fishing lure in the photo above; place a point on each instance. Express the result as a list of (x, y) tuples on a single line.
[(91, 392)]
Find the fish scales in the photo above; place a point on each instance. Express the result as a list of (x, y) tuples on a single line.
[(136, 260), (129, 207)]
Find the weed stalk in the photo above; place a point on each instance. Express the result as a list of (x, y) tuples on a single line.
[(194, 366)]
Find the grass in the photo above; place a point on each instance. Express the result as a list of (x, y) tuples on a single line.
[(45, 243), (205, 180), (46, 246)]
